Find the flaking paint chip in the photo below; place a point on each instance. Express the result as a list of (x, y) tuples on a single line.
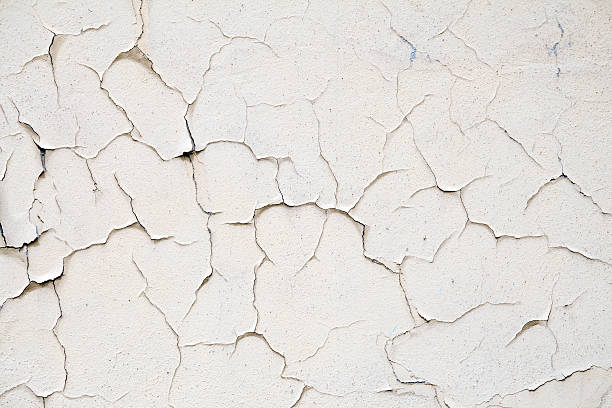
[(305, 203)]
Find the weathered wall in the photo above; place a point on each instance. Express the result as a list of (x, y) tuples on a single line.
[(305, 203)]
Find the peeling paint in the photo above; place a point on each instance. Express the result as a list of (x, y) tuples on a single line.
[(305, 204)]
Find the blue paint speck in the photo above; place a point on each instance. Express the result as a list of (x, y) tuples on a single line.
[(555, 49), (413, 53)]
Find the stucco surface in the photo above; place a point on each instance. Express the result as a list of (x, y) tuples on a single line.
[(306, 203)]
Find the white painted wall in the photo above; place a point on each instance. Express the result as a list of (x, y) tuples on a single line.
[(306, 203)]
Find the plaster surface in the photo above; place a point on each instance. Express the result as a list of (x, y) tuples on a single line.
[(305, 203)]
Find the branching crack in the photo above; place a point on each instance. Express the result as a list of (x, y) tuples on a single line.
[(54, 330)]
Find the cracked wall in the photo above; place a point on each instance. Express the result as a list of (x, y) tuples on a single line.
[(305, 203)]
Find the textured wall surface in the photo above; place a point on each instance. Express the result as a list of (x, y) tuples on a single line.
[(307, 203)]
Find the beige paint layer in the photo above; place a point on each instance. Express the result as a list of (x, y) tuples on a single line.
[(305, 203)]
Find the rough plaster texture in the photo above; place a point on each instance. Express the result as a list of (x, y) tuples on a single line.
[(309, 203)]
